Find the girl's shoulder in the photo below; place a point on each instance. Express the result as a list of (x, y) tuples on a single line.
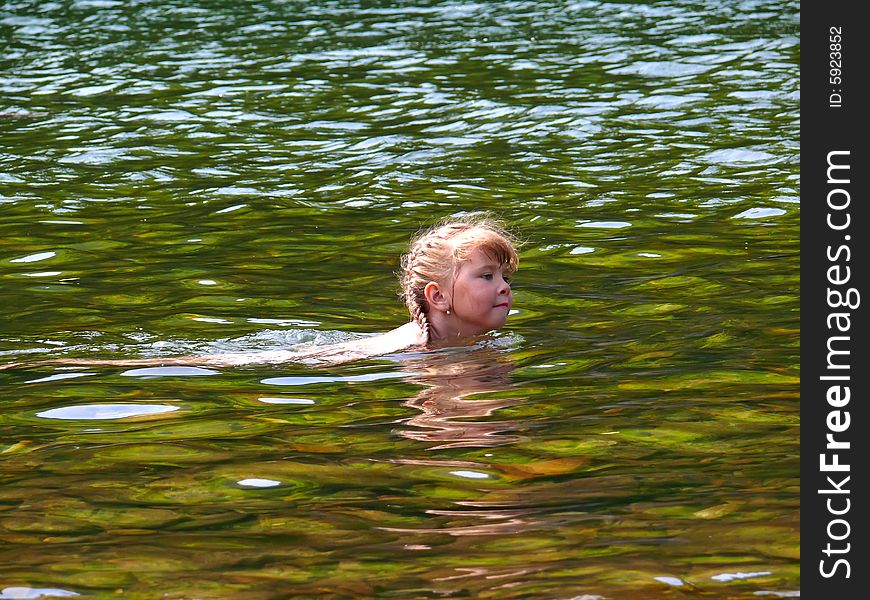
[(401, 338), (406, 336)]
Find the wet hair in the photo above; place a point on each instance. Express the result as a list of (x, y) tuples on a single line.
[(437, 255)]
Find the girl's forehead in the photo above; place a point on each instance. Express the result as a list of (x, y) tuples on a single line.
[(479, 255), (480, 258), (486, 248)]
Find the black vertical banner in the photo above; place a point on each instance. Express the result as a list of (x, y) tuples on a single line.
[(835, 369)]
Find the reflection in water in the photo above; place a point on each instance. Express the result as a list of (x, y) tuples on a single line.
[(150, 372), (28, 592), (450, 416), (106, 411), (58, 377), (257, 482), (495, 522)]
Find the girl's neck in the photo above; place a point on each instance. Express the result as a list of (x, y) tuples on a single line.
[(443, 329)]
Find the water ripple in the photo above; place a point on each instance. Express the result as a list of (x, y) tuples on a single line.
[(22, 592), (308, 380), (150, 372), (200, 172), (105, 411)]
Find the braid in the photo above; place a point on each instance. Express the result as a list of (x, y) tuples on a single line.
[(412, 291), (420, 318)]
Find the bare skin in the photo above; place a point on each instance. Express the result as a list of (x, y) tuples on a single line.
[(402, 338)]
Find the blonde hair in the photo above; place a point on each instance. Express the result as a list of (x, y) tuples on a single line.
[(438, 253)]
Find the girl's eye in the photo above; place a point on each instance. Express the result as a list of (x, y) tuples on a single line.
[(487, 276)]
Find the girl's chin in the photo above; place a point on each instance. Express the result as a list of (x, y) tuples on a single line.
[(499, 324)]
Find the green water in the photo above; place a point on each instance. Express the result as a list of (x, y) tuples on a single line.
[(182, 177)]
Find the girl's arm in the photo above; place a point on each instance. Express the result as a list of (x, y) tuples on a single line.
[(406, 336)]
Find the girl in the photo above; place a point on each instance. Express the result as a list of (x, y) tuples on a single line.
[(455, 282)]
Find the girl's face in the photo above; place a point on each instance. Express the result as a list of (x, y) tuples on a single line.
[(481, 295)]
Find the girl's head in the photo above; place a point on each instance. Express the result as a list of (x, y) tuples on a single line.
[(456, 268)]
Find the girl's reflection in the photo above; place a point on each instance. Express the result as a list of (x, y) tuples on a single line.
[(451, 412), (463, 389)]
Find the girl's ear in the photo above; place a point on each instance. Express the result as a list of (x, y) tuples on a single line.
[(435, 297)]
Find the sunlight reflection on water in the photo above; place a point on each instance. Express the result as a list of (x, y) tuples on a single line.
[(106, 411), (150, 372)]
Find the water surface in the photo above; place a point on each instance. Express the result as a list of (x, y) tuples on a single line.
[(186, 177)]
